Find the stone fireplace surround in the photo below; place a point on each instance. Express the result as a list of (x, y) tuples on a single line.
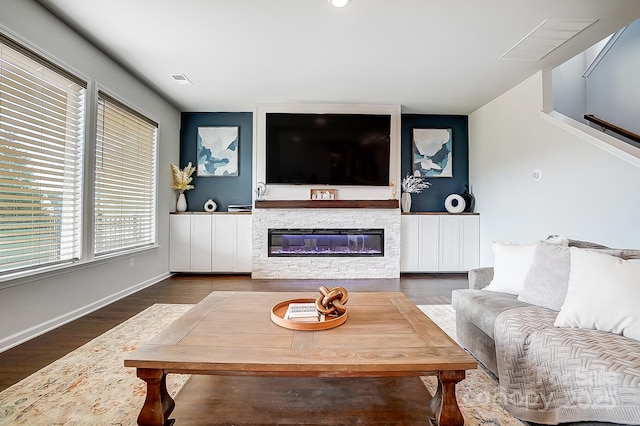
[(282, 215)]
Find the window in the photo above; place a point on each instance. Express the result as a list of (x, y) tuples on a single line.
[(41, 145), (125, 203)]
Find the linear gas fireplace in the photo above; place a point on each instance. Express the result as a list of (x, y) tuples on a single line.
[(326, 242)]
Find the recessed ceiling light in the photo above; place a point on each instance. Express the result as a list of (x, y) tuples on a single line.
[(339, 3), (181, 79), (546, 37)]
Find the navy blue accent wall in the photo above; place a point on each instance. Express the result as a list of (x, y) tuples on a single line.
[(238, 190), (432, 199), (222, 190)]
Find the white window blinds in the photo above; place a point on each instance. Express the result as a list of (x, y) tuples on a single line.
[(125, 187), (41, 142)]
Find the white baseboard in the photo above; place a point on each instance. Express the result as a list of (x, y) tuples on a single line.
[(37, 330)]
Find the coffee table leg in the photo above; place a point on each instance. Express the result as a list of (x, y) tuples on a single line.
[(158, 404), (444, 405)]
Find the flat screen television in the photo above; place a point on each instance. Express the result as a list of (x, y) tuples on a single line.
[(328, 149)]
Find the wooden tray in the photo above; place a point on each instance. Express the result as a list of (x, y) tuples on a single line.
[(280, 309)]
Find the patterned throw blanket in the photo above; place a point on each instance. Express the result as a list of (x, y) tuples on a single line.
[(551, 375)]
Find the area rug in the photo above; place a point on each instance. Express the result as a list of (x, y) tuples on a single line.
[(90, 386)]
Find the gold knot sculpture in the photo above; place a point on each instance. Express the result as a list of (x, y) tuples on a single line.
[(331, 302)]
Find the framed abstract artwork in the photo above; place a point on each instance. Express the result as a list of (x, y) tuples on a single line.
[(432, 153), (217, 151)]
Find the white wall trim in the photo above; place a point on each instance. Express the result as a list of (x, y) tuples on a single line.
[(44, 327), (613, 146)]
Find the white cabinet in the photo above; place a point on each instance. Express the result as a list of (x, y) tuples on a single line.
[(231, 239), (200, 244), (459, 243), (439, 243), (449, 243), (418, 244), (210, 243), (179, 243), (409, 243), (224, 243), (469, 242)]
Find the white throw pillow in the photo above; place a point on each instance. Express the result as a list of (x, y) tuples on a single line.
[(603, 294), (511, 265)]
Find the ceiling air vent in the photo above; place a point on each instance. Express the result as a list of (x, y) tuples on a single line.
[(181, 79), (545, 38)]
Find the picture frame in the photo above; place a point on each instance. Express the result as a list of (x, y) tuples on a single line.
[(432, 153), (217, 151), (323, 194)]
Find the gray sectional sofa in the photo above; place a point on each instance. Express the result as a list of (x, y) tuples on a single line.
[(549, 374)]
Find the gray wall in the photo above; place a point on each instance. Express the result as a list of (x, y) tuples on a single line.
[(586, 191), (613, 88), (570, 88), (432, 199), (611, 91), (29, 306), (224, 190), (237, 190)]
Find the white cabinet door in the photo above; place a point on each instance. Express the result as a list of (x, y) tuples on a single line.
[(210, 243), (439, 243), (224, 244), (429, 243), (179, 243), (470, 252), (409, 243), (419, 243), (459, 243), (201, 243), (450, 242), (244, 244)]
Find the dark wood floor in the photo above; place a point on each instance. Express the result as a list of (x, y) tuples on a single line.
[(25, 359)]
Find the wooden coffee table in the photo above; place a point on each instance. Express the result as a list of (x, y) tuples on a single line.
[(231, 334)]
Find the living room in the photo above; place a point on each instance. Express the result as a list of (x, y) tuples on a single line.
[(584, 189)]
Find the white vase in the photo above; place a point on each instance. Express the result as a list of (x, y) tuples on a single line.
[(405, 201), (181, 205)]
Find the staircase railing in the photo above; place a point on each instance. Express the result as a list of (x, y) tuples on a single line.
[(605, 125)]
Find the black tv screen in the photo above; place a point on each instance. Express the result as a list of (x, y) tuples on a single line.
[(328, 149)]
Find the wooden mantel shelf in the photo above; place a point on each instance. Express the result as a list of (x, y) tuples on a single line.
[(327, 204)]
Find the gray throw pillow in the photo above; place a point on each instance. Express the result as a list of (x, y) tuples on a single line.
[(586, 244), (548, 278), (621, 253)]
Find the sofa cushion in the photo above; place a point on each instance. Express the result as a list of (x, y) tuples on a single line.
[(482, 307), (603, 294), (548, 278), (511, 265), (547, 281)]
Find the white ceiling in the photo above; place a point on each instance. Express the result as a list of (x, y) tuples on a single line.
[(430, 56)]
